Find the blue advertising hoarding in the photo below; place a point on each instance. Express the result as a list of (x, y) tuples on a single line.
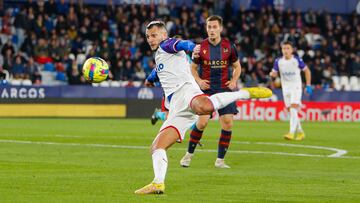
[(89, 92)]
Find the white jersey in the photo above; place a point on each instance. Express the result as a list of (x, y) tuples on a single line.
[(290, 72), (172, 67)]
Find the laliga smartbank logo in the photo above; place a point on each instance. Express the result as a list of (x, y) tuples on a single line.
[(342, 113), (345, 113), (252, 112), (310, 111)]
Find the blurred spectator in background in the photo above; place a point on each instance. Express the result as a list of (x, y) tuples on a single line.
[(74, 75), (41, 52), (128, 72), (18, 69), (32, 71), (57, 32)]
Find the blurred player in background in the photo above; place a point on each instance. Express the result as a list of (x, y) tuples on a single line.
[(290, 66), (219, 70), (184, 96)]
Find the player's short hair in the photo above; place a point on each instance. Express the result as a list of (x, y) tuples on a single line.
[(287, 43), (156, 23), (215, 18)]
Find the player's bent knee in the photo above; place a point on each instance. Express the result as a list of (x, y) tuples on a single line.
[(202, 105), (227, 126), (203, 109)]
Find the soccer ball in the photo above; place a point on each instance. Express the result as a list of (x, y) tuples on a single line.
[(95, 70)]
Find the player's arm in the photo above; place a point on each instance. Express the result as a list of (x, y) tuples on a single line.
[(152, 78), (234, 59), (172, 45), (236, 75), (203, 84), (307, 73), (275, 71)]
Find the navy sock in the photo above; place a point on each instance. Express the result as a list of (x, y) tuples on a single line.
[(224, 143), (195, 136)]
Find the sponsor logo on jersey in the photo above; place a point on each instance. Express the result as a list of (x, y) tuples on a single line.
[(216, 63)]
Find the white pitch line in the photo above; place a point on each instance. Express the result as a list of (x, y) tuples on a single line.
[(178, 149), (338, 152)]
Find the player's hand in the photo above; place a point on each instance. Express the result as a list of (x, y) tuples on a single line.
[(273, 74), (204, 84), (308, 90), (196, 52), (148, 84), (231, 84)]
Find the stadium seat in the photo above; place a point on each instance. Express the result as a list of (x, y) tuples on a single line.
[(336, 81), (344, 83), (354, 83), (137, 83), (15, 82), (105, 84), (124, 83), (115, 84), (49, 67), (47, 77), (60, 76), (27, 82)]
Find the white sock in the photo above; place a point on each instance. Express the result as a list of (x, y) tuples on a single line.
[(299, 128), (294, 120), (220, 100), (160, 164)]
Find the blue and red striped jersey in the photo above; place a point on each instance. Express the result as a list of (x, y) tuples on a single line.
[(215, 64)]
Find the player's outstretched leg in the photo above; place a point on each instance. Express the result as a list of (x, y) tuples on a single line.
[(161, 143), (258, 92), (220, 100), (203, 105)]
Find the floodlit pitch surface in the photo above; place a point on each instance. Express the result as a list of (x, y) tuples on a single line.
[(106, 160)]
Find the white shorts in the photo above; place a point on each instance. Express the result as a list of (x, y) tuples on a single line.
[(180, 116), (292, 97)]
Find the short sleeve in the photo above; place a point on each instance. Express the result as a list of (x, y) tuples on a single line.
[(301, 63), (233, 55), (169, 45), (276, 65)]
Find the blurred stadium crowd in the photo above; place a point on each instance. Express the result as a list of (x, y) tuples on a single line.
[(47, 42)]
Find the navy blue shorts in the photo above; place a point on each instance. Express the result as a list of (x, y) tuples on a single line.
[(229, 109)]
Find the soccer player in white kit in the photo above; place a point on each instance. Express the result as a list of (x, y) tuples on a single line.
[(185, 99), (290, 66)]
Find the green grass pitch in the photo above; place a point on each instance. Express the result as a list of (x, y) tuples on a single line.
[(92, 160)]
